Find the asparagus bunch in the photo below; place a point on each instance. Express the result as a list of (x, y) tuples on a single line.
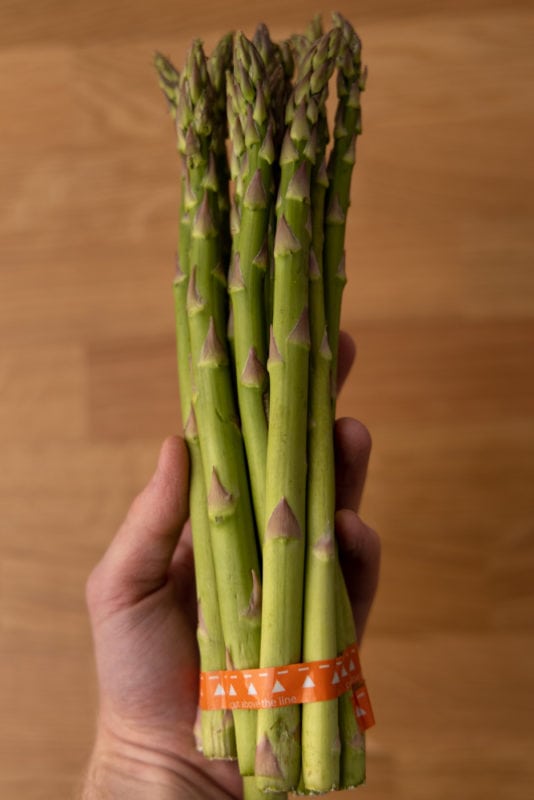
[(260, 272)]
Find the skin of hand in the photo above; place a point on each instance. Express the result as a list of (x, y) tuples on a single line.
[(142, 606)]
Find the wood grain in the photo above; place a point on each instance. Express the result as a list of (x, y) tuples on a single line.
[(440, 300)]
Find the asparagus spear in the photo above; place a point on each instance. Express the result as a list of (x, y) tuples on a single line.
[(351, 81), (320, 730), (278, 751), (352, 740), (217, 737), (250, 114), (217, 731), (169, 79)]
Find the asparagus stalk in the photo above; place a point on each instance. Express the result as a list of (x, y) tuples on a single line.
[(278, 751), (217, 730), (347, 127), (351, 81), (250, 114), (169, 80), (217, 737), (229, 507), (320, 730), (352, 740)]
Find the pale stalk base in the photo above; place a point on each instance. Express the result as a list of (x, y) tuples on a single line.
[(252, 792), (245, 735), (216, 738), (353, 745)]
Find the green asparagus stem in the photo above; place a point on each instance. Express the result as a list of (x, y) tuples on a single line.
[(341, 163), (217, 731), (252, 792), (320, 735), (320, 729), (352, 740), (169, 79), (217, 736), (278, 751), (250, 113), (351, 81), (229, 508), (347, 127)]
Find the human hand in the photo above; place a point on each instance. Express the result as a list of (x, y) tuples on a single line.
[(141, 599)]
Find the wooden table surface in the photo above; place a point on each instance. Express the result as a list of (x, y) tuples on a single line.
[(440, 299)]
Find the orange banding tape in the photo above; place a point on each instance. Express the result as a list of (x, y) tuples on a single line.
[(272, 687), (361, 703)]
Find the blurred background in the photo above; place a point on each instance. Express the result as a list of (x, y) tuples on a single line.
[(440, 300)]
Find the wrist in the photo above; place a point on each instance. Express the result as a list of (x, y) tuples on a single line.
[(124, 771), (129, 765)]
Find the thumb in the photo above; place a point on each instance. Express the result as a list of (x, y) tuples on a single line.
[(138, 559)]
